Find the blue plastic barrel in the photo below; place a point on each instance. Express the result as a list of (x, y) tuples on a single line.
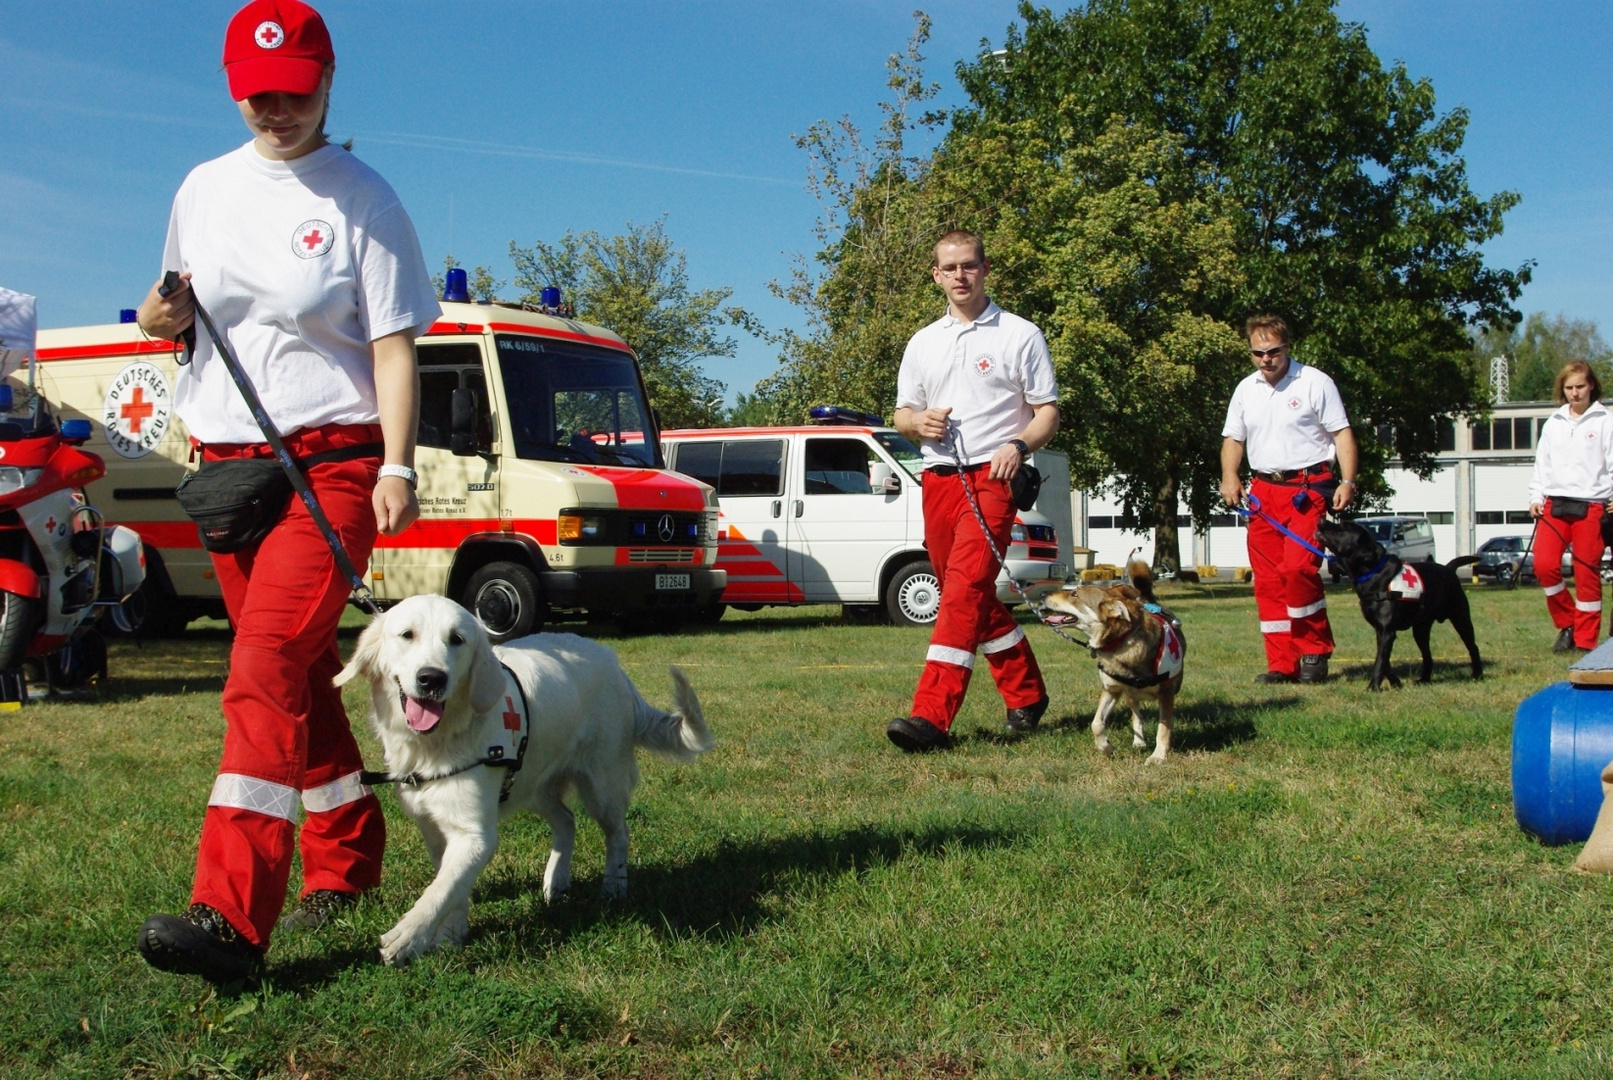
[(1562, 739)]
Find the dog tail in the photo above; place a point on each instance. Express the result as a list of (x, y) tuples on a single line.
[(681, 734), (1461, 561), (1142, 579)]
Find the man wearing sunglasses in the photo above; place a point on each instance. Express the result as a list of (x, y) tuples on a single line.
[(1302, 457)]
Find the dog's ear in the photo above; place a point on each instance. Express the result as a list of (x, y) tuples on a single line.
[(366, 656), (486, 675), (1113, 609)]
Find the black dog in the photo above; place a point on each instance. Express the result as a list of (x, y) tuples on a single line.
[(1374, 570)]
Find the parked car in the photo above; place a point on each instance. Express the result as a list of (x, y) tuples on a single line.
[(1508, 558), (1411, 538)]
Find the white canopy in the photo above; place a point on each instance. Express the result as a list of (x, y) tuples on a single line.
[(19, 325)]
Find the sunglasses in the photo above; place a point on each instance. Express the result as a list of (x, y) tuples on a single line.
[(1261, 354)]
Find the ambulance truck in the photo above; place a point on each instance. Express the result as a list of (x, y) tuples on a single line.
[(832, 512), (542, 486)]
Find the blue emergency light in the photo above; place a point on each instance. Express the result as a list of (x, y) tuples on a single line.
[(75, 430), (126, 315), (6, 397), (840, 415), (454, 288)]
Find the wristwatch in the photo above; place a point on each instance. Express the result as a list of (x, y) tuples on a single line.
[(408, 474), (1020, 445)]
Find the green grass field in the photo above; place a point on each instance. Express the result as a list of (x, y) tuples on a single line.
[(1319, 883)]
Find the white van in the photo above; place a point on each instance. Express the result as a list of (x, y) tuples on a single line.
[(832, 513)]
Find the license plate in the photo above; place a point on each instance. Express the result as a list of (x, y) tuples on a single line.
[(1058, 571), (671, 581)]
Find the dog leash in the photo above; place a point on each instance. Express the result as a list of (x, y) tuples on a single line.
[(299, 483), (953, 432), (495, 758)]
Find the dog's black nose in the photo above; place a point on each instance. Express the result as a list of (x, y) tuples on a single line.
[(431, 681)]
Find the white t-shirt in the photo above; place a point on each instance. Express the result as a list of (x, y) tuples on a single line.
[(301, 264), (1574, 457), (990, 371), (1287, 426)]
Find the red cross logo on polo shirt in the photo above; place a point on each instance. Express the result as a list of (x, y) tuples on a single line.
[(512, 719), (138, 410), (312, 240), (269, 35), (1293, 403)]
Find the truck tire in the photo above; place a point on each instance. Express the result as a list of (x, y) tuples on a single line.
[(505, 597), (913, 598), (16, 627)]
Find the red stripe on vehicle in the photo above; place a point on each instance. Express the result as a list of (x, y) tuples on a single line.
[(649, 489), (111, 348), (166, 534), (451, 532), (523, 328)]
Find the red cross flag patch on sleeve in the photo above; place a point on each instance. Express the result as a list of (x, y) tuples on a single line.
[(312, 239), (138, 410)]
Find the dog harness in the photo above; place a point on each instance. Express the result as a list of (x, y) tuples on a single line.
[(1167, 661), (1406, 585), (506, 753)]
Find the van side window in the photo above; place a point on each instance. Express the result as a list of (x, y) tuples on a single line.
[(443, 369), (752, 467), (838, 467), (701, 460)]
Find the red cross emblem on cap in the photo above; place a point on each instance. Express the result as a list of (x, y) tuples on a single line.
[(269, 35)]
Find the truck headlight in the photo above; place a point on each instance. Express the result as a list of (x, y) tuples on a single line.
[(579, 527)]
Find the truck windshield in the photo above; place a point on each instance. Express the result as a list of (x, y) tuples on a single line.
[(574, 402), (906, 454)]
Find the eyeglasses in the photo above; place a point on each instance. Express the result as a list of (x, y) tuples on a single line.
[(954, 269), (1261, 354)]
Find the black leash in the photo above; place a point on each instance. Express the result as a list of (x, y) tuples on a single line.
[(299, 483)]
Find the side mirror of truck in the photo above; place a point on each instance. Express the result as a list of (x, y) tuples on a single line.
[(462, 411), (882, 478)]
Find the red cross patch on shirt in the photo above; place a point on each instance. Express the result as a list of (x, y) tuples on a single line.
[(312, 239)]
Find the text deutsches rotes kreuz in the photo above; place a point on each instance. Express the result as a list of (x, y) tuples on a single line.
[(139, 410)]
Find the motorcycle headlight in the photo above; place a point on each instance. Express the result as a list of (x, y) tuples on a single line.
[(15, 479)]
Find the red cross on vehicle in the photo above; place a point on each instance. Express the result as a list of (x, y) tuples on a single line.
[(512, 719), (313, 240), (50, 524), (138, 410)]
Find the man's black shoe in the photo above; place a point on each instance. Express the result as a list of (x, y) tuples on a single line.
[(1565, 640), (1023, 721), (1313, 669), (1275, 677), (199, 942), (318, 908), (916, 735)]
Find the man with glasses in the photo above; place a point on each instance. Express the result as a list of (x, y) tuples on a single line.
[(1302, 456), (976, 392)]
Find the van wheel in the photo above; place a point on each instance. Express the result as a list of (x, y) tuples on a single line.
[(504, 596), (16, 627), (913, 598)]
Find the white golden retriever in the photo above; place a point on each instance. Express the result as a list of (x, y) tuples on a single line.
[(446, 703)]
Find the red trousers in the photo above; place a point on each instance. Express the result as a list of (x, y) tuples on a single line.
[(971, 616), (1552, 537), (1288, 585), (286, 732)]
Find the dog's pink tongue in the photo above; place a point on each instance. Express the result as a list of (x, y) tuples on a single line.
[(422, 715)]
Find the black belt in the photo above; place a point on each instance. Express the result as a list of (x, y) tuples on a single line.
[(953, 470), (1283, 476)]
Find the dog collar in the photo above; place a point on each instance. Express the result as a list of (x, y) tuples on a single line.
[(516, 731), (1374, 572)]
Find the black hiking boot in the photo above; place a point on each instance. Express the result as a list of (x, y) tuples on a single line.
[(199, 942)]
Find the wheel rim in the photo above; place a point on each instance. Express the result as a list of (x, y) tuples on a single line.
[(130, 615), (498, 605), (920, 598)]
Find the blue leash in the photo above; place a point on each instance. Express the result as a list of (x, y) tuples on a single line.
[(1254, 511)]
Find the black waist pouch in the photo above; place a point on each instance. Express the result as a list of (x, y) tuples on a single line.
[(1025, 486), (1566, 509), (236, 501)]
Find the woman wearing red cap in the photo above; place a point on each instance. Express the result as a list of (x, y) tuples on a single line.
[(310, 268)]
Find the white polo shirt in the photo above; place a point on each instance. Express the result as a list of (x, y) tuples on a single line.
[(990, 372), (301, 264), (1574, 457), (1287, 426)]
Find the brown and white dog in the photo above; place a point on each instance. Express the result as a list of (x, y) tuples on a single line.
[(1140, 653)]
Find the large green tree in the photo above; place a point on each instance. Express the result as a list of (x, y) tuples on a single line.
[(637, 284), (1353, 217)]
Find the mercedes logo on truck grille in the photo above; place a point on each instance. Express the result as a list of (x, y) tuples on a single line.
[(663, 528)]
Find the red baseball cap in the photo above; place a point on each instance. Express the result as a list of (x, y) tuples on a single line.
[(276, 45)]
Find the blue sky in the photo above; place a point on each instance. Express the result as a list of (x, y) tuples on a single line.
[(502, 121)]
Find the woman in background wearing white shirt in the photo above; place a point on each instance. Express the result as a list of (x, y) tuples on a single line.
[(1568, 498), (310, 268)]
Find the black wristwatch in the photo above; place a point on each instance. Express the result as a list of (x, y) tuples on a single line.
[(1020, 445)]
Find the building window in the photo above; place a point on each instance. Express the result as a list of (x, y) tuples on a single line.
[(1523, 430), (1480, 435), (1100, 521), (1518, 517), (1447, 435), (1512, 433), (1183, 520), (1223, 521), (1489, 517), (1441, 517)]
